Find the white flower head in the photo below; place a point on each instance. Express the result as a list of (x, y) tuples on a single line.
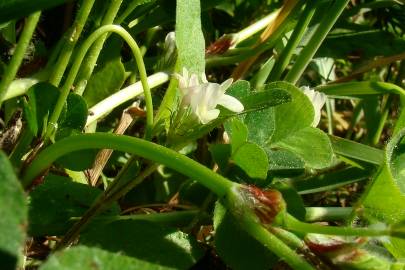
[(318, 100), (202, 97)]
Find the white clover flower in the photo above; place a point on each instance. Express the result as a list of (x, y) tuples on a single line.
[(318, 100), (202, 97)]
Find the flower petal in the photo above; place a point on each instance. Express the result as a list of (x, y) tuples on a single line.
[(318, 100), (225, 85), (204, 78), (231, 103), (193, 80), (209, 116)]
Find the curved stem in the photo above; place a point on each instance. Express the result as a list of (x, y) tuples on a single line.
[(18, 55), (88, 65), (316, 40), (145, 149), (295, 225), (71, 40), (76, 66)]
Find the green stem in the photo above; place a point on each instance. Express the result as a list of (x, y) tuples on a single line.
[(16, 60), (327, 213), (253, 28), (131, 7), (71, 40), (382, 120), (75, 68), (171, 218), (294, 40), (145, 149), (91, 59), (274, 244), (269, 44), (316, 40), (329, 113), (294, 224)]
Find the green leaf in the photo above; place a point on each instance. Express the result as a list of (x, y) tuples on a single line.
[(386, 191), (85, 258), (39, 104), (76, 113), (259, 100), (311, 144), (288, 127), (332, 180), (252, 159), (162, 247), (293, 116), (236, 247), (360, 89), (105, 82), (239, 134), (221, 154), (261, 126), (284, 163), (189, 36), (56, 201), (358, 151), (13, 212), (239, 89), (15, 9), (72, 124)]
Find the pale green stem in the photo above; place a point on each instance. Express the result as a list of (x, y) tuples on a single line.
[(316, 40), (108, 104), (75, 68), (18, 56), (294, 224), (91, 59), (327, 213), (253, 28), (71, 40)]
